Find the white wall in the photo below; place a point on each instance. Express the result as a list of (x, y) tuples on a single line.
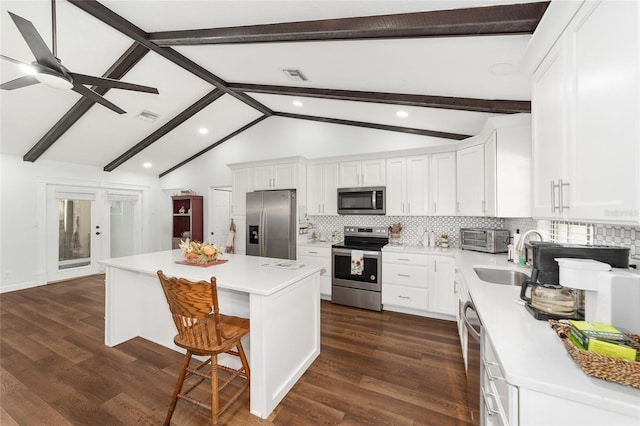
[(20, 210)]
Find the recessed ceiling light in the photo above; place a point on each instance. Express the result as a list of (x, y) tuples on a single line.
[(147, 165), (297, 103), (402, 114), (294, 74), (203, 130)]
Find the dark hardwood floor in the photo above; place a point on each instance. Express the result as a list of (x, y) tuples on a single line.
[(374, 369)]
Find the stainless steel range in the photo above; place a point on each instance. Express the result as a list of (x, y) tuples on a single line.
[(356, 267)]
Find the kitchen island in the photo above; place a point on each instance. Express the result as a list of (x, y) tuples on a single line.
[(280, 299)]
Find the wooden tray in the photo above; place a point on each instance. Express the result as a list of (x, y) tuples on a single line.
[(602, 366), (203, 265)]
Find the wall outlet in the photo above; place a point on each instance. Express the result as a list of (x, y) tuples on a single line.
[(6, 275)]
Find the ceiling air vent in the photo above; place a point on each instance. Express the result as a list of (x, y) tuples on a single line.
[(295, 75), (148, 116)]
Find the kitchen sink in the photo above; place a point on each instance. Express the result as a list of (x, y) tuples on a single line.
[(501, 276)]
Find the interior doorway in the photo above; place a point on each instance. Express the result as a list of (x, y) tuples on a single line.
[(219, 215)]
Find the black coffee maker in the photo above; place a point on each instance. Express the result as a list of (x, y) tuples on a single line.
[(548, 299)]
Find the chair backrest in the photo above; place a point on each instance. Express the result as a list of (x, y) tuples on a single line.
[(192, 304)]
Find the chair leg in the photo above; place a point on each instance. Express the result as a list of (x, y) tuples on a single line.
[(243, 359), (214, 390), (178, 388)]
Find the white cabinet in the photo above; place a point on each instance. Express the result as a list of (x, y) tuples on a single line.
[(507, 168), (278, 176), (470, 181), (499, 399), (421, 283), (362, 173), (322, 185), (585, 105), (240, 185), (407, 185), (313, 253), (441, 286), (405, 280), (443, 183)]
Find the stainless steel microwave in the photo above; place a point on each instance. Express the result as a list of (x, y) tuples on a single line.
[(485, 239), (363, 200)]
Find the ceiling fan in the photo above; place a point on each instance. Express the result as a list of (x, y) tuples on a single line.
[(48, 69)]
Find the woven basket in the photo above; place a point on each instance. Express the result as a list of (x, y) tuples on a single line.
[(602, 366)]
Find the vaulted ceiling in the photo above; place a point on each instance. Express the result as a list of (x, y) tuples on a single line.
[(447, 64)]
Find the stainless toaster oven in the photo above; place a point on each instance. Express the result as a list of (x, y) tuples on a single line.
[(485, 239)]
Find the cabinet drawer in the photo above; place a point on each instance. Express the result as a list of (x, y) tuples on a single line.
[(408, 297), (412, 276), (314, 251), (405, 258)]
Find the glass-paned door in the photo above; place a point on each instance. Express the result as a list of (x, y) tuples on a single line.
[(124, 224), (74, 233)]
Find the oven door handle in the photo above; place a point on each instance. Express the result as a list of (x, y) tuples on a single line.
[(472, 331), (348, 252)]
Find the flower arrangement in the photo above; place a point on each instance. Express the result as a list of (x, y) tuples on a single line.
[(202, 253), (395, 230)]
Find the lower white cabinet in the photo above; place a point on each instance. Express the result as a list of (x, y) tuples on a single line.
[(422, 283), (498, 399), (314, 253)]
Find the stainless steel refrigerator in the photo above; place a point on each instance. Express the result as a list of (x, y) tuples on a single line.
[(271, 224)]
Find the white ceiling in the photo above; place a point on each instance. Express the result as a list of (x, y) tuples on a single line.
[(455, 66)]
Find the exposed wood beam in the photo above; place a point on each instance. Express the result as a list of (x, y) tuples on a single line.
[(465, 104), (128, 59), (198, 106), (210, 147), (421, 132), (104, 14), (492, 20)]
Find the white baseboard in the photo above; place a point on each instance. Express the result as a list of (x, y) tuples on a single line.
[(19, 286)]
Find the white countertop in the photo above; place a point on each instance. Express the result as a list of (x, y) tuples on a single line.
[(531, 354), (247, 274)]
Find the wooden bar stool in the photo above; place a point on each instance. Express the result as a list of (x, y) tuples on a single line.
[(203, 331)]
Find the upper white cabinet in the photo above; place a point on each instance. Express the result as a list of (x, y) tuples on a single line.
[(277, 176), (443, 183), (362, 173), (507, 167), (470, 181), (407, 185), (586, 106), (240, 185), (322, 185)]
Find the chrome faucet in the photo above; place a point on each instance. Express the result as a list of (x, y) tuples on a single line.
[(520, 245)]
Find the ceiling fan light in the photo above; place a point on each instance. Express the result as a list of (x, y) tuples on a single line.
[(27, 69), (51, 80)]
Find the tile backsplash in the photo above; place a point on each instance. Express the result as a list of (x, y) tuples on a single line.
[(413, 226), (615, 235)]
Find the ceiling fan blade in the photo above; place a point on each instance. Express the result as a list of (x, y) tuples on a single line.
[(37, 45), (90, 94), (15, 61), (27, 80), (110, 82)]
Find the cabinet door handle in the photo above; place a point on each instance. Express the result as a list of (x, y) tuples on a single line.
[(490, 410), (408, 208), (435, 267), (553, 197), (457, 206), (404, 260), (435, 208), (402, 207), (313, 252), (404, 297), (561, 186), (487, 368), (404, 275), (484, 206)]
